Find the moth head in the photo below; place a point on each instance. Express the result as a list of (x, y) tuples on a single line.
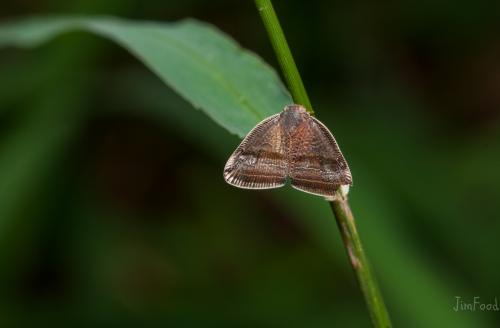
[(293, 116), (295, 108)]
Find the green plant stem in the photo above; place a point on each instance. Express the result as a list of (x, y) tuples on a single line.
[(285, 58), (340, 206), (359, 262)]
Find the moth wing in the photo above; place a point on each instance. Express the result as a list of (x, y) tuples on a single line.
[(317, 164), (260, 161)]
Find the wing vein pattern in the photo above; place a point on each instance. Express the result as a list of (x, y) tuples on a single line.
[(259, 162)]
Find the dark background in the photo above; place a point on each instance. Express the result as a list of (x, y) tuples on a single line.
[(113, 210)]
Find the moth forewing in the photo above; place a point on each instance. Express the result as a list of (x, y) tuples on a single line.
[(259, 161)]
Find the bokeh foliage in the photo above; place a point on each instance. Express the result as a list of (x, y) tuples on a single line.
[(113, 209)]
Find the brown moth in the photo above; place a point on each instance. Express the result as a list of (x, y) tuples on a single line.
[(289, 145)]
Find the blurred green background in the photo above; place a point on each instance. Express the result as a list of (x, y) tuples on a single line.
[(113, 210)]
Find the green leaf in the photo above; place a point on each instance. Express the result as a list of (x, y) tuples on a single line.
[(232, 85)]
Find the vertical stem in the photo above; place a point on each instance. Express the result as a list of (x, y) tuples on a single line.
[(285, 58), (359, 262), (340, 206)]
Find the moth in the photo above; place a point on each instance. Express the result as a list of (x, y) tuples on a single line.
[(291, 145)]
